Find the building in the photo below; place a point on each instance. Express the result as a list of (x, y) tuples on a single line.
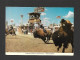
[(34, 18)]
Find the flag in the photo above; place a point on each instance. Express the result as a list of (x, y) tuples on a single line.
[(58, 17)]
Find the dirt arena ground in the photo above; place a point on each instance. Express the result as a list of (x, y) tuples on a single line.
[(27, 43)]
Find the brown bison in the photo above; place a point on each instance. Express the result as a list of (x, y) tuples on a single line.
[(63, 36), (39, 33)]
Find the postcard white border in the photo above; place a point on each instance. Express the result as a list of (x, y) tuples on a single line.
[(39, 53)]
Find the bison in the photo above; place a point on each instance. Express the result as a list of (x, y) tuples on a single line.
[(63, 36), (39, 33)]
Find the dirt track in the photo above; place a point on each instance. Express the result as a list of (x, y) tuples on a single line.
[(27, 43)]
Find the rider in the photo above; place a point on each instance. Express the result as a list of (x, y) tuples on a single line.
[(41, 26), (11, 27)]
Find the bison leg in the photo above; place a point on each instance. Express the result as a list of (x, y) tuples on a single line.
[(65, 46), (14, 33), (59, 47), (47, 40), (63, 49), (44, 38), (72, 46)]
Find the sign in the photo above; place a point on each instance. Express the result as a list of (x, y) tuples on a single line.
[(39, 9)]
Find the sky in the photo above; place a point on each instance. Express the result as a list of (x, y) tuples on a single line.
[(47, 17)]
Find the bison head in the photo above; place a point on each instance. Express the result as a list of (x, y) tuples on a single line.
[(66, 24)]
